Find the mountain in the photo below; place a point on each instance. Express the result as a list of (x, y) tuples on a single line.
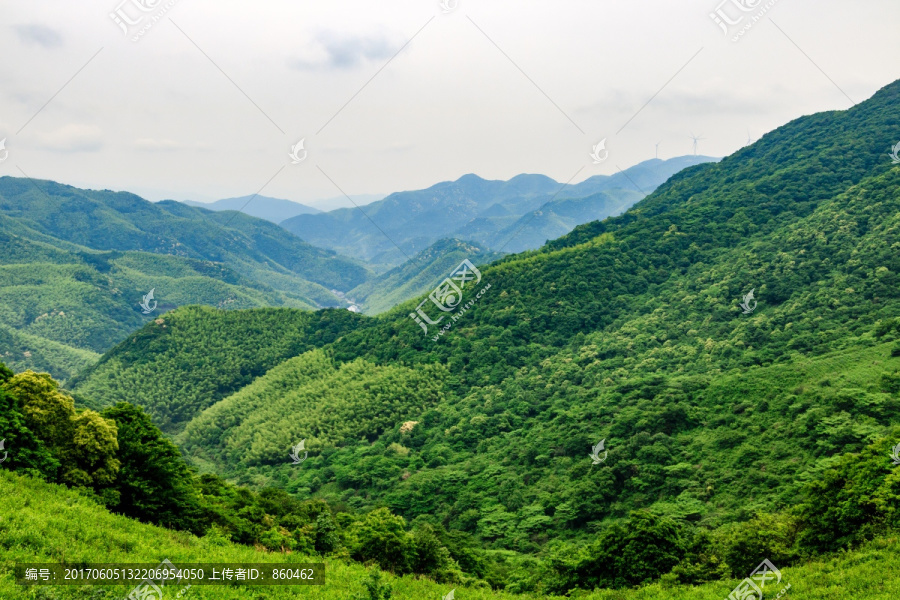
[(275, 210), (419, 274), (414, 220), (75, 264), (119, 221), (733, 339), (482, 211)]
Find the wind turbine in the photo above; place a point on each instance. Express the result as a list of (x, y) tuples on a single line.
[(750, 140), (696, 139), (657, 148)]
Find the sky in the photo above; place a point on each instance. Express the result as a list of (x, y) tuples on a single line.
[(203, 99)]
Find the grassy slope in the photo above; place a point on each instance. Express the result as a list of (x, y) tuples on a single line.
[(42, 522)]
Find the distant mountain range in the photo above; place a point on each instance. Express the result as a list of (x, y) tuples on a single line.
[(275, 210), (515, 215)]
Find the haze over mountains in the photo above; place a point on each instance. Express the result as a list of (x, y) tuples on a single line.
[(490, 213), (275, 210)]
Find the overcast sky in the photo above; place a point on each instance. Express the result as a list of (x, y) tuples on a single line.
[(399, 95)]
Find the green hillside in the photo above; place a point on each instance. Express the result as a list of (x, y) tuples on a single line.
[(105, 220), (222, 350)]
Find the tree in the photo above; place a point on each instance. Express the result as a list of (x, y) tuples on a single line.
[(47, 411), (326, 534), (89, 458), (378, 587), (382, 537), (850, 501), (645, 547), (430, 557), (24, 451), (84, 443), (153, 483)]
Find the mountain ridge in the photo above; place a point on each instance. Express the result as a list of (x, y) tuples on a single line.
[(416, 219), (274, 210)]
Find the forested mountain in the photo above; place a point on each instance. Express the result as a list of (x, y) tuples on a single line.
[(275, 210), (732, 339), (489, 213), (105, 220), (226, 350), (75, 265)]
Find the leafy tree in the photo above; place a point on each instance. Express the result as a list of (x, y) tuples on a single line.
[(381, 537), (850, 501), (431, 557), (25, 452), (326, 536), (84, 443), (643, 548), (378, 587), (153, 483), (744, 545)]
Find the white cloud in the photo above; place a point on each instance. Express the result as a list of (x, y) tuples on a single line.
[(39, 34), (329, 49)]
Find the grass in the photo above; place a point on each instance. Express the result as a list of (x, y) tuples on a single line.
[(42, 522)]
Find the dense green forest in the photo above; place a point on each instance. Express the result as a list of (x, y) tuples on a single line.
[(733, 435)]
